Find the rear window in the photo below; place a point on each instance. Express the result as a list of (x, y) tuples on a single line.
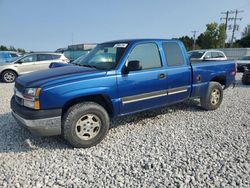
[(173, 54)]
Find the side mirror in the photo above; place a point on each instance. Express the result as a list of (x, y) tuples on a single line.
[(132, 66), (206, 58), (18, 62)]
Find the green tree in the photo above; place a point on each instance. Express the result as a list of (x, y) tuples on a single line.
[(244, 42), (246, 31), (3, 48), (213, 37), (188, 42)]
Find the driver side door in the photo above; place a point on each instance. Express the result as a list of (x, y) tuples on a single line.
[(146, 88)]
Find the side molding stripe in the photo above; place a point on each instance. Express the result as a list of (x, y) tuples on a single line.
[(151, 95)]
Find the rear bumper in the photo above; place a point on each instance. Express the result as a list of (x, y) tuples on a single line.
[(38, 122)]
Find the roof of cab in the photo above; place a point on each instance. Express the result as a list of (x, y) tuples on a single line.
[(139, 40)]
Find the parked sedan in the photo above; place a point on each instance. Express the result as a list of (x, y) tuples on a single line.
[(28, 63), (242, 63), (207, 55)]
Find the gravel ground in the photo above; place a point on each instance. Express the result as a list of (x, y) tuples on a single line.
[(176, 146)]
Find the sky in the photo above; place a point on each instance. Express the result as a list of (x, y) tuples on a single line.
[(41, 25)]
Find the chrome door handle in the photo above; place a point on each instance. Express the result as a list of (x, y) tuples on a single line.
[(162, 76)]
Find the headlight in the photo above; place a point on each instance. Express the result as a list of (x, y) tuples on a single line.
[(31, 98)]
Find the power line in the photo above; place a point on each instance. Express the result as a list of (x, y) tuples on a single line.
[(194, 37)]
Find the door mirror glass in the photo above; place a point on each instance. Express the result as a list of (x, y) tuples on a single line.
[(133, 66)]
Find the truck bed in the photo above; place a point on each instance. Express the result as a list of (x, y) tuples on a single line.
[(203, 71)]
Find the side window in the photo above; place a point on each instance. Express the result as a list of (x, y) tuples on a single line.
[(215, 55), (147, 54), (44, 57), (55, 56), (29, 58), (173, 54), (208, 55), (220, 54)]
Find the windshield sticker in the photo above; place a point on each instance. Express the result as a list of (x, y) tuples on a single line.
[(120, 45)]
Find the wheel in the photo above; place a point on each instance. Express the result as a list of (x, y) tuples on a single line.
[(85, 124), (213, 97), (9, 76), (246, 78)]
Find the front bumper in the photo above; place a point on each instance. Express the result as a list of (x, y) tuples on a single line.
[(38, 122)]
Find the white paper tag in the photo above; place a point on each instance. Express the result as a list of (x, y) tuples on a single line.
[(120, 45)]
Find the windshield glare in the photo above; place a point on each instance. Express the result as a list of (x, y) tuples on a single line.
[(104, 56)]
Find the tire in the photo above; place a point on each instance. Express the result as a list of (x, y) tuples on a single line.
[(246, 78), (85, 124), (9, 76), (213, 97)]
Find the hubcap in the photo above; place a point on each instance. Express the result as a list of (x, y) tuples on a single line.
[(88, 126), (215, 97), (9, 77)]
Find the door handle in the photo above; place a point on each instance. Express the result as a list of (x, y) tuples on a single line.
[(162, 76)]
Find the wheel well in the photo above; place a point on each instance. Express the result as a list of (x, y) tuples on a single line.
[(8, 70), (102, 100), (220, 79)]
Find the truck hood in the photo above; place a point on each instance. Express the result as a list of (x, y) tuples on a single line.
[(57, 75)]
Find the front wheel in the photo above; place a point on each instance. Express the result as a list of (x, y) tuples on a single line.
[(9, 76), (213, 98), (85, 124)]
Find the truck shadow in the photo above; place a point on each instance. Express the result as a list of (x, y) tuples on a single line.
[(238, 84), (14, 138)]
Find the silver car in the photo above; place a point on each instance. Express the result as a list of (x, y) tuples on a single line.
[(9, 71), (208, 55)]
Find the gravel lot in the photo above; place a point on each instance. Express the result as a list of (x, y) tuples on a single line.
[(176, 146)]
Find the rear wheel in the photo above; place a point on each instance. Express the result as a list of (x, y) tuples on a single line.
[(9, 76), (246, 78), (85, 124), (213, 97)]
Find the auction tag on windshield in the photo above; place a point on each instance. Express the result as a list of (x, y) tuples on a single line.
[(120, 45)]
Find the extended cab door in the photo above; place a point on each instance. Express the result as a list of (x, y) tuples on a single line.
[(146, 88), (179, 73)]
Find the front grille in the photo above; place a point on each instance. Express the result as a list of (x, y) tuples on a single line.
[(19, 100), (19, 87)]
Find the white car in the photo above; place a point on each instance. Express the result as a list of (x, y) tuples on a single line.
[(28, 63), (207, 55)]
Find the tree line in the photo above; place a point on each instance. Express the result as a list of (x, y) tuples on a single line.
[(215, 37), (11, 48)]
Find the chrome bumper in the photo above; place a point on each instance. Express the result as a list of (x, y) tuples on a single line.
[(41, 127)]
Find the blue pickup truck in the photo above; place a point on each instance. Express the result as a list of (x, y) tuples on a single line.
[(116, 78)]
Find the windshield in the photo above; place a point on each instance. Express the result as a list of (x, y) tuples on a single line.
[(104, 56), (197, 54)]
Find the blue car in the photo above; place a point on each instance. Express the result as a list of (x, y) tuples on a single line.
[(116, 78), (6, 56)]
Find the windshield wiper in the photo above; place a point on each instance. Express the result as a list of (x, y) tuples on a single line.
[(85, 65)]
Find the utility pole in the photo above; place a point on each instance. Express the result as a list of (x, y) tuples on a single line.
[(194, 37), (235, 26), (226, 22)]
